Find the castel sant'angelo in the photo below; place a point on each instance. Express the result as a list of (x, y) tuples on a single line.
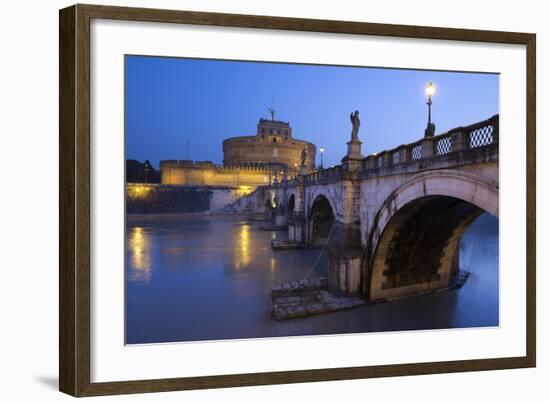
[(254, 160)]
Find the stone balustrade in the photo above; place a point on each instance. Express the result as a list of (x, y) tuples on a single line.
[(324, 175), (483, 133), (478, 135)]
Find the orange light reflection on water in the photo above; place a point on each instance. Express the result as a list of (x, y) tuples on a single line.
[(141, 261), (242, 251)]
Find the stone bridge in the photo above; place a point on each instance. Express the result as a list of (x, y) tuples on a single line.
[(392, 221)]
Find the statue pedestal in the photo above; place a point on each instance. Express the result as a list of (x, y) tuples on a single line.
[(353, 159), (354, 149), (345, 256), (303, 170)]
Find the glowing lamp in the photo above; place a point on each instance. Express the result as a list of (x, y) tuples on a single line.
[(430, 89)]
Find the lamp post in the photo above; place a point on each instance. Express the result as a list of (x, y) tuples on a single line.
[(430, 128), (322, 150), (146, 169)]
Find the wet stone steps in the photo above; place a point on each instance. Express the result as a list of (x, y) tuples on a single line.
[(308, 297), (274, 228), (281, 245)]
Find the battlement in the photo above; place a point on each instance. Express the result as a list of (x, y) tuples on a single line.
[(275, 123), (203, 165), (187, 163), (186, 172)]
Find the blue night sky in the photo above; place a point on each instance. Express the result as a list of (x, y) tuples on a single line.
[(172, 100)]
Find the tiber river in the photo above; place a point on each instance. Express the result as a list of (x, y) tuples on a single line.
[(200, 277)]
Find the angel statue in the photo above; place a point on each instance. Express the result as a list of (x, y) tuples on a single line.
[(303, 157), (355, 122)]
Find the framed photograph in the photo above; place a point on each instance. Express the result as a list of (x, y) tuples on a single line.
[(250, 200)]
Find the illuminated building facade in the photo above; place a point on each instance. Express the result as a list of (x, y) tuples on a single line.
[(255, 160)]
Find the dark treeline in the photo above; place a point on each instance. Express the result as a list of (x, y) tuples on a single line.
[(141, 172)]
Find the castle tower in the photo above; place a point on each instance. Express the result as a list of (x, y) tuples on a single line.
[(273, 154), (273, 146)]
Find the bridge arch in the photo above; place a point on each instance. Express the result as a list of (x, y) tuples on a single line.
[(291, 204), (414, 239), (321, 219)]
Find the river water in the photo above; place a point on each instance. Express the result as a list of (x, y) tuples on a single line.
[(201, 277)]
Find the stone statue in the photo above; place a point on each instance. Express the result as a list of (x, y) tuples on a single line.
[(303, 157), (355, 122)]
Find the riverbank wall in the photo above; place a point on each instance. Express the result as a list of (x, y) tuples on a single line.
[(161, 198), (257, 202)]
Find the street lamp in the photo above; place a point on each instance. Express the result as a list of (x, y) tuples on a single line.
[(430, 128), (146, 169), (322, 150)]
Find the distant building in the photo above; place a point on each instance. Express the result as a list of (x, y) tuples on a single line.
[(247, 160), (273, 144), (188, 172)]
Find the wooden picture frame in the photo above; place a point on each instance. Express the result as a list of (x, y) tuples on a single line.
[(74, 199)]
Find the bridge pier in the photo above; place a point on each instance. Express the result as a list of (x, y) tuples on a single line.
[(345, 248), (295, 211), (345, 260), (296, 224), (280, 219)]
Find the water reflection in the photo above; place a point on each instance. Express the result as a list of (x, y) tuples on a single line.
[(140, 264), (242, 240), (213, 275)]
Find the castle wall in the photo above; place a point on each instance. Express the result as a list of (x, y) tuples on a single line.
[(189, 173)]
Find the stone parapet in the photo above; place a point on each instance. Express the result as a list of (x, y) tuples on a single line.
[(460, 145)]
